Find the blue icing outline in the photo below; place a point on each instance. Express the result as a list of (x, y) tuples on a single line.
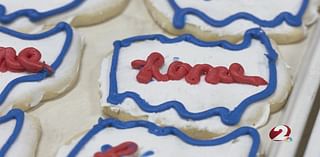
[(35, 15), (165, 131), (228, 117), (148, 153), (61, 27), (17, 115), (179, 18)]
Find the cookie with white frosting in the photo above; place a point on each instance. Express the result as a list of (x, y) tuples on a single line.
[(28, 15), (19, 134), (285, 21), (111, 137), (203, 88), (36, 67)]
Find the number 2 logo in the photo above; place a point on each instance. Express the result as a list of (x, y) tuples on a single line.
[(280, 133)]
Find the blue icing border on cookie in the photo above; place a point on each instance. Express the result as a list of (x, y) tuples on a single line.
[(35, 15), (165, 131), (61, 27), (228, 117), (17, 115), (179, 19)]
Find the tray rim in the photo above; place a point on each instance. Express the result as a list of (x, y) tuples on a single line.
[(296, 112)]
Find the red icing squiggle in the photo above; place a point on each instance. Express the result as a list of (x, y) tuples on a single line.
[(124, 149), (28, 60), (150, 69), (178, 70)]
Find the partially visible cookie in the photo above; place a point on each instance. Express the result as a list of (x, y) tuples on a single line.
[(206, 89), (28, 15), (111, 137), (285, 21), (19, 134), (37, 67)]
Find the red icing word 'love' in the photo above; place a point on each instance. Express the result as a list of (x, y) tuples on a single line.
[(124, 149), (178, 70), (28, 60)]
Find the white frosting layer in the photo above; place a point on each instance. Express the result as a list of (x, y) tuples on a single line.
[(27, 141), (29, 94), (221, 9), (86, 8), (200, 97), (162, 146)]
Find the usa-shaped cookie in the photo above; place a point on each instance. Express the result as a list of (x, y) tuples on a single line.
[(19, 134), (285, 21), (112, 137), (36, 67), (28, 15), (203, 88)]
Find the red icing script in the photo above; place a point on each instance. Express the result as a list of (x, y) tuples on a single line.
[(124, 149), (28, 60), (178, 70)]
